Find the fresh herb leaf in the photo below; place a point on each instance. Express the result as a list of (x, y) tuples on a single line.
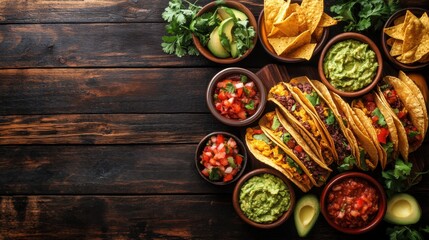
[(178, 40), (286, 137), (347, 164), (292, 163), (313, 98), (381, 120), (262, 137), (331, 117), (214, 174), (293, 107), (231, 162), (243, 78), (250, 105), (405, 233), (361, 15), (275, 124), (413, 133), (230, 88)]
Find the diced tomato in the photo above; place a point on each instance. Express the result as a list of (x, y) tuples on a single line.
[(257, 131), (238, 159), (236, 108), (213, 162), (220, 139), (374, 119), (370, 106), (239, 92), (298, 148), (291, 144), (224, 162), (222, 96), (242, 115), (382, 135), (227, 178), (205, 172), (401, 114)]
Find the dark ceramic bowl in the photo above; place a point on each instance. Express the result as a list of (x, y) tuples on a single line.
[(386, 48), (377, 217), (241, 150), (230, 72), (236, 197), (206, 52), (362, 38), (262, 34)]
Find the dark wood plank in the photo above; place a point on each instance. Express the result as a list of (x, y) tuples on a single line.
[(116, 169), (144, 217), (107, 128), (153, 90), (90, 11), (96, 45)]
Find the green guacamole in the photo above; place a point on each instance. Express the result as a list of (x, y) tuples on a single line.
[(350, 65), (264, 198)]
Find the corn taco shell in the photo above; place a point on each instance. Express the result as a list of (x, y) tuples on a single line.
[(312, 94), (406, 111), (303, 120), (268, 152), (367, 151), (379, 124), (278, 130)]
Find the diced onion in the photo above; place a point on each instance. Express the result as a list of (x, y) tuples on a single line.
[(239, 85), (228, 170)]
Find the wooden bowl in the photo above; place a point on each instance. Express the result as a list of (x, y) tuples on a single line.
[(386, 48), (203, 143), (236, 198), (357, 176), (206, 52), (342, 37), (235, 71), (262, 34)]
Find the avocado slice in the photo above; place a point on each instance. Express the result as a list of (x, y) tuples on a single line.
[(225, 30), (225, 12), (402, 209), (234, 50), (215, 46), (306, 213)]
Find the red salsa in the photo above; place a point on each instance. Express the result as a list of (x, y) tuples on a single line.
[(352, 203), (221, 158), (236, 97)]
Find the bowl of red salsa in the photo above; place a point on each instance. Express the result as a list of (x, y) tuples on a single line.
[(236, 96), (353, 202), (220, 158)]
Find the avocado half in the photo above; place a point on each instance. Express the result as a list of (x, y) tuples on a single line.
[(402, 209), (306, 213)]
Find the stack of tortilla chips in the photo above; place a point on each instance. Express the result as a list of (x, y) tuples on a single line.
[(409, 38), (294, 30)]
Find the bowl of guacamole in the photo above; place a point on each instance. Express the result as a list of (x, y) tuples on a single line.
[(264, 198), (350, 64)]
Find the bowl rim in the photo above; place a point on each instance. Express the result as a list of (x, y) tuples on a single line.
[(270, 51), (252, 21), (236, 194), (243, 151), (384, 37), (362, 38), (371, 180), (232, 71)]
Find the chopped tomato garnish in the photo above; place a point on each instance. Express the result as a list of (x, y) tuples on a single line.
[(238, 159), (298, 148), (219, 139), (382, 135), (227, 178)]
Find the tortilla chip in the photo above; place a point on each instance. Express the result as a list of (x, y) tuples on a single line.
[(399, 20), (327, 21), (396, 49), (271, 9), (390, 41), (280, 44), (413, 33), (290, 26), (395, 31), (281, 15), (305, 51), (312, 11), (300, 40), (318, 33)]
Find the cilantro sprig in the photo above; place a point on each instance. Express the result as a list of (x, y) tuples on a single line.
[(179, 37), (361, 15), (407, 232)]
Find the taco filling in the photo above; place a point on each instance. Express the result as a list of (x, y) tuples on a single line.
[(398, 107), (341, 143), (368, 105), (285, 98), (318, 173), (264, 146)]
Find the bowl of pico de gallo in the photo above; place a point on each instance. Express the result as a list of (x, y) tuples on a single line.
[(353, 202), (236, 97), (220, 158)]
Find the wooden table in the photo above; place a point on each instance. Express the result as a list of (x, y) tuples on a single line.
[(98, 128)]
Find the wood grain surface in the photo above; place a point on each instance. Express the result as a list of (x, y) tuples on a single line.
[(98, 128)]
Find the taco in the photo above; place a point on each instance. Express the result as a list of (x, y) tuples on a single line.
[(407, 113), (283, 134), (268, 152), (366, 151), (312, 94), (303, 120), (378, 122)]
